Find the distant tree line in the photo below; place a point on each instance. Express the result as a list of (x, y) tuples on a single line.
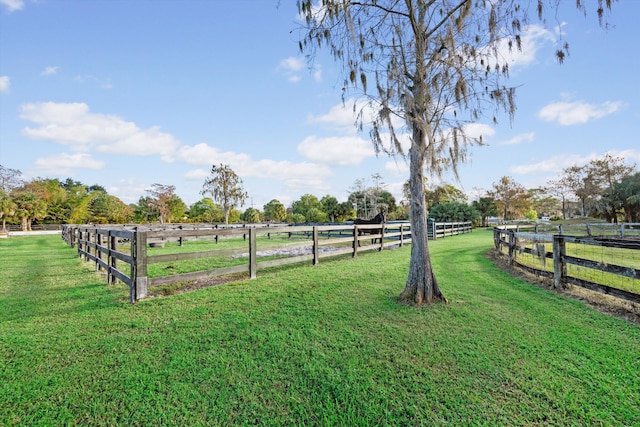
[(605, 188)]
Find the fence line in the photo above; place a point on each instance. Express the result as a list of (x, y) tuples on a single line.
[(511, 240), (123, 252), (438, 230)]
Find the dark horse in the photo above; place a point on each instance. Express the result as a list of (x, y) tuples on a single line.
[(378, 219)]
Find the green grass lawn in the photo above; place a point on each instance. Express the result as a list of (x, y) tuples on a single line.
[(323, 345)]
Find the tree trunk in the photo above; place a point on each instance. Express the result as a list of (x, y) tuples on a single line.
[(422, 286)]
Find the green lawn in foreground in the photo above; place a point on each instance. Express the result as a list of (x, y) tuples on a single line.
[(324, 345)]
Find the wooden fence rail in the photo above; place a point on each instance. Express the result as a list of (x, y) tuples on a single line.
[(438, 230), (123, 252), (509, 239)]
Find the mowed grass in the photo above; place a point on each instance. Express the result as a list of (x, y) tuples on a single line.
[(323, 345)]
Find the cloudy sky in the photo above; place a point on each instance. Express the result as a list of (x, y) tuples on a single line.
[(126, 94)]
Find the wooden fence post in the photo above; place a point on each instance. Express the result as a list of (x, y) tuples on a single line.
[(512, 247), (98, 251), (401, 236), (253, 262), (139, 274), (112, 245), (316, 251), (355, 240), (559, 267)]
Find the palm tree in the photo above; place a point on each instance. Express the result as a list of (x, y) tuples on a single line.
[(7, 209)]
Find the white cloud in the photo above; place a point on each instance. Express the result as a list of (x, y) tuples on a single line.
[(4, 84), (73, 125), (342, 114), (477, 130), (518, 139), (104, 83), (317, 73), (555, 164), (64, 164), (398, 167), (295, 176), (533, 37), (291, 68), (50, 70), (128, 190), (12, 5), (569, 113), (337, 150)]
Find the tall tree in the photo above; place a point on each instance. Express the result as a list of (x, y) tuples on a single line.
[(436, 65), (561, 189), (443, 194), (206, 210), (275, 211), (162, 199), (251, 215), (9, 179), (7, 209), (308, 206), (331, 207), (486, 207), (30, 208), (626, 194), (225, 186), (512, 199), (605, 173)]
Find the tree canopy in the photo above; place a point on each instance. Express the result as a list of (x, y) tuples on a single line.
[(225, 186)]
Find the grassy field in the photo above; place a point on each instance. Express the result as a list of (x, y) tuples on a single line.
[(324, 345)]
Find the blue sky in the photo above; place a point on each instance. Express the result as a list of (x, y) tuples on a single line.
[(128, 93)]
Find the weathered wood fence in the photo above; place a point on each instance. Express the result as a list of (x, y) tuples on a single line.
[(438, 230), (124, 252), (513, 244)]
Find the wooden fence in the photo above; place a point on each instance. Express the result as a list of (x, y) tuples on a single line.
[(125, 252), (577, 229), (438, 230), (515, 244)]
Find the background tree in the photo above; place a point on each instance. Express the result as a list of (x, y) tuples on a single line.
[(512, 199), (108, 209), (561, 189), (436, 66), (593, 182), (543, 203), (309, 207), (370, 200), (252, 216), (225, 186), (331, 207), (626, 194), (9, 179), (361, 198), (7, 209), (443, 194), (274, 211), (345, 212), (604, 174), (453, 212), (205, 210), (163, 200), (143, 211), (29, 208), (486, 207)]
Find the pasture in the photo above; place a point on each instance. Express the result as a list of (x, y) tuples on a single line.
[(321, 345)]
